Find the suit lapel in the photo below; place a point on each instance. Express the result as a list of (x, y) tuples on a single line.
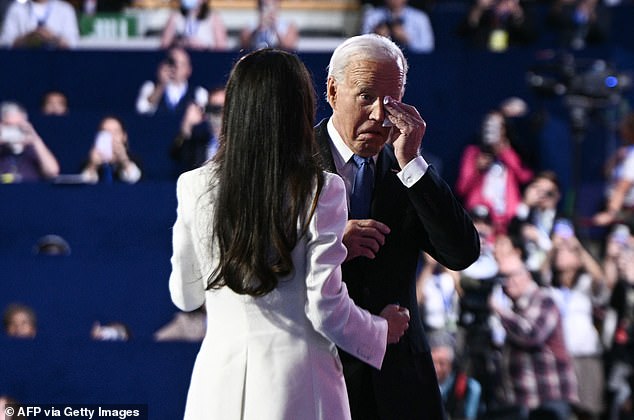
[(323, 141), (386, 164)]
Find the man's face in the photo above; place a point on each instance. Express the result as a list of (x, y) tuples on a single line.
[(547, 192), (516, 276), (357, 104), (21, 325), (180, 65), (443, 362), (55, 104)]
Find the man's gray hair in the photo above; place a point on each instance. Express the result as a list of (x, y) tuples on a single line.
[(371, 47)]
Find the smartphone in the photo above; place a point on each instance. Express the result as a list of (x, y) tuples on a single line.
[(103, 145), (563, 228), (11, 134), (621, 234)]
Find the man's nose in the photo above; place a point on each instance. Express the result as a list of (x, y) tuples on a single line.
[(378, 110)]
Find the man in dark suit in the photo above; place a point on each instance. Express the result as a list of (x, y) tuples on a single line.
[(412, 209)]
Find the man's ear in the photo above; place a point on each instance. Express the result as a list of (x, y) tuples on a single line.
[(331, 91)]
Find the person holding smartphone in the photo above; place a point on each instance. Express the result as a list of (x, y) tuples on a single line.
[(108, 158), (24, 157), (579, 287)]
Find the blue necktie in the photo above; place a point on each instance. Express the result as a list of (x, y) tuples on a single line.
[(362, 188)]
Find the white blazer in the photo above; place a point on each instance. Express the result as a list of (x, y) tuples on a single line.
[(271, 357)]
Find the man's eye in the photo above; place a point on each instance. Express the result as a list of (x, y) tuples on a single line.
[(367, 97)]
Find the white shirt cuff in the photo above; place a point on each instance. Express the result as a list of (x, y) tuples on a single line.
[(413, 171)]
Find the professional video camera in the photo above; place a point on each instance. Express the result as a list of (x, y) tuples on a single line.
[(589, 83), (474, 304)]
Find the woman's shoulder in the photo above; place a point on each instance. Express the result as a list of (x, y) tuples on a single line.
[(197, 179), (332, 194), (332, 182)]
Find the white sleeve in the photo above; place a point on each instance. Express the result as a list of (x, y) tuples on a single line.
[(68, 27), (10, 27), (329, 308), (628, 167), (413, 171), (185, 284), (422, 34), (143, 105)]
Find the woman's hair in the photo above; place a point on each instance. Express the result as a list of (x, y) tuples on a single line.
[(203, 11), (371, 47), (557, 273), (266, 171)]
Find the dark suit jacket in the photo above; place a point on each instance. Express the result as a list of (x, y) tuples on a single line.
[(179, 108), (192, 152), (426, 217)]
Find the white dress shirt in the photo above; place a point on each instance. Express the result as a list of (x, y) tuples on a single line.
[(347, 169)]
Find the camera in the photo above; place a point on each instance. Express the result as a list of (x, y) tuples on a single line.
[(474, 304), (594, 80), (11, 134)]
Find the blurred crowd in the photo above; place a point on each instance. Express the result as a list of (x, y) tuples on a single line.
[(496, 25)]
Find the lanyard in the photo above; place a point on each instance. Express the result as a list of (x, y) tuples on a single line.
[(191, 26)]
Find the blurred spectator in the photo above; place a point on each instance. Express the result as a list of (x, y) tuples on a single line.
[(409, 27), (579, 289), (497, 25), (90, 7), (271, 30), (23, 155), (4, 402), (4, 5), (460, 393), (618, 242), (492, 173), (197, 140), (195, 26), (619, 169), (112, 331), (437, 296), (479, 336), (534, 219), (170, 93), (19, 321), (54, 102), (485, 266), (620, 379), (49, 24), (109, 158), (578, 22), (540, 373), (185, 326), (51, 245)]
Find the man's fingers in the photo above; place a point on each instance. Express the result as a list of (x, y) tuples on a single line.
[(373, 224), (364, 238)]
